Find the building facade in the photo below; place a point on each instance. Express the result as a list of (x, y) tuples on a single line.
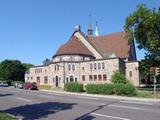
[(88, 59)]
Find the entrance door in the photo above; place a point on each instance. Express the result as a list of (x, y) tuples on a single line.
[(71, 78), (56, 81)]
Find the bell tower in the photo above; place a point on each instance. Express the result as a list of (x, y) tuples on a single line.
[(90, 28)]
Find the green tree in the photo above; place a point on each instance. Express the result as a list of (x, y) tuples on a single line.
[(27, 66), (12, 70), (144, 25), (118, 78)]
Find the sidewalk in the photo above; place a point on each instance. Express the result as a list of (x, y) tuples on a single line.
[(106, 96)]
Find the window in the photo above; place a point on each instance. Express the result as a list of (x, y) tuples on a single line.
[(60, 59), (69, 67), (67, 79), (57, 67), (90, 77), (72, 58), (130, 73), (83, 77), (95, 66), (71, 79), (83, 68), (99, 66), (95, 77), (91, 66), (103, 66), (54, 67), (73, 67), (99, 77), (104, 77), (75, 79), (45, 79)]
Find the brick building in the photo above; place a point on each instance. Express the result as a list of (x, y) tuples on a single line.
[(88, 59)]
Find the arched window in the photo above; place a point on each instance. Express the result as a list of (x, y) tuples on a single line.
[(95, 66), (69, 67), (130, 73), (73, 67), (71, 78), (91, 66), (99, 66), (103, 65), (54, 67), (57, 67)]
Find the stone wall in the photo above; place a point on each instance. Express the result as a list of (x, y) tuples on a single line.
[(132, 72)]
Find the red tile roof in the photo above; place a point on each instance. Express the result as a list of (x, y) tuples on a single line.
[(74, 47), (111, 44)]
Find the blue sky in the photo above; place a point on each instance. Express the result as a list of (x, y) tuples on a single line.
[(32, 30)]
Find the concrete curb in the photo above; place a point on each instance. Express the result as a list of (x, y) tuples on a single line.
[(106, 96)]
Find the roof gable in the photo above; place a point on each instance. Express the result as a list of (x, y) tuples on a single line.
[(111, 45), (74, 47)]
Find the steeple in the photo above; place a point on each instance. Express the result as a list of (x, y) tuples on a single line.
[(90, 28), (97, 29)]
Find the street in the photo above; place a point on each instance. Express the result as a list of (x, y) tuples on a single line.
[(42, 105)]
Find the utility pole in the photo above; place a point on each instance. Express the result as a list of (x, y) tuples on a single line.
[(153, 78), (155, 81)]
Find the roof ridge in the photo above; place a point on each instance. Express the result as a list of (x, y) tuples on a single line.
[(105, 35)]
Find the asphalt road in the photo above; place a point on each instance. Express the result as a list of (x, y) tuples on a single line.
[(41, 105)]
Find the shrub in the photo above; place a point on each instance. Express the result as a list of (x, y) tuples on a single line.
[(99, 89), (74, 87), (118, 78), (125, 89)]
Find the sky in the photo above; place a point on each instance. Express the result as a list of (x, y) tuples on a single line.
[(33, 30)]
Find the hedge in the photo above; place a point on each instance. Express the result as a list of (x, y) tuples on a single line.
[(100, 89), (108, 89), (74, 87), (125, 89)]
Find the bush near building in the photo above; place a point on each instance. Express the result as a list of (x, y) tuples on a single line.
[(74, 87), (118, 78), (120, 86), (125, 89), (109, 89), (106, 89)]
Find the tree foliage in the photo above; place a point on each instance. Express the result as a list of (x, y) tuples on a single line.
[(13, 70), (144, 26), (118, 78), (27, 66)]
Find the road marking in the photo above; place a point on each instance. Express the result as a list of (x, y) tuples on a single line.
[(23, 99), (127, 107), (45, 96), (137, 102), (109, 116), (54, 94), (83, 97)]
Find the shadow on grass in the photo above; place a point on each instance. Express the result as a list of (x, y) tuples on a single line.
[(41, 110)]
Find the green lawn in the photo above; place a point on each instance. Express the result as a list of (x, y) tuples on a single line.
[(4, 116), (147, 94)]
